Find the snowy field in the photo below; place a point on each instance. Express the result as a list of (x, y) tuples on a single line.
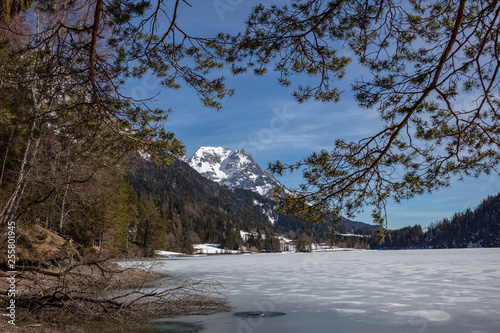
[(356, 291)]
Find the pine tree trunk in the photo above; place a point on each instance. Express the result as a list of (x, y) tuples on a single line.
[(5, 157), (12, 203), (65, 195)]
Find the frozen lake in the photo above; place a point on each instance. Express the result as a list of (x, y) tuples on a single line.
[(456, 290)]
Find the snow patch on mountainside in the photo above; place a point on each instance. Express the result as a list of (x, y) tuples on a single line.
[(268, 212)]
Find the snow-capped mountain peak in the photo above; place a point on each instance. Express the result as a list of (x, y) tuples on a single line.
[(233, 169), (207, 161)]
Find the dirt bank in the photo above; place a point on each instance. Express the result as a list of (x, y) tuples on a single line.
[(35, 281)]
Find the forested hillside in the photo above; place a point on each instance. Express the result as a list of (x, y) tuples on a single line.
[(194, 209), (478, 227)]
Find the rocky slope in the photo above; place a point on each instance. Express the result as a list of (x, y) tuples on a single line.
[(233, 169)]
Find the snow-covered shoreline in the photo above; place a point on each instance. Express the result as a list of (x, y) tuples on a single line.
[(214, 249)]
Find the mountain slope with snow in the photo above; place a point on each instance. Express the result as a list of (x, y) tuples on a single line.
[(233, 169)]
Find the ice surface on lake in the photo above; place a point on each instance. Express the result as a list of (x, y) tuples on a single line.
[(357, 291)]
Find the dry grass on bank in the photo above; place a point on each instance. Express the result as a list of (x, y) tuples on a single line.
[(98, 290)]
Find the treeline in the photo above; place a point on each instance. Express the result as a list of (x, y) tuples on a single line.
[(472, 228), (66, 127), (287, 223)]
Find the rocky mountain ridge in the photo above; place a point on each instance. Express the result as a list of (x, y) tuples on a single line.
[(233, 169)]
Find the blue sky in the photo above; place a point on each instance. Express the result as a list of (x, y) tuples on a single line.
[(263, 119)]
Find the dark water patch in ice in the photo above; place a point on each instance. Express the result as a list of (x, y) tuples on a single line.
[(259, 314)]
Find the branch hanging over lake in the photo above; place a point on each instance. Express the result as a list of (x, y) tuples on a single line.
[(429, 69)]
